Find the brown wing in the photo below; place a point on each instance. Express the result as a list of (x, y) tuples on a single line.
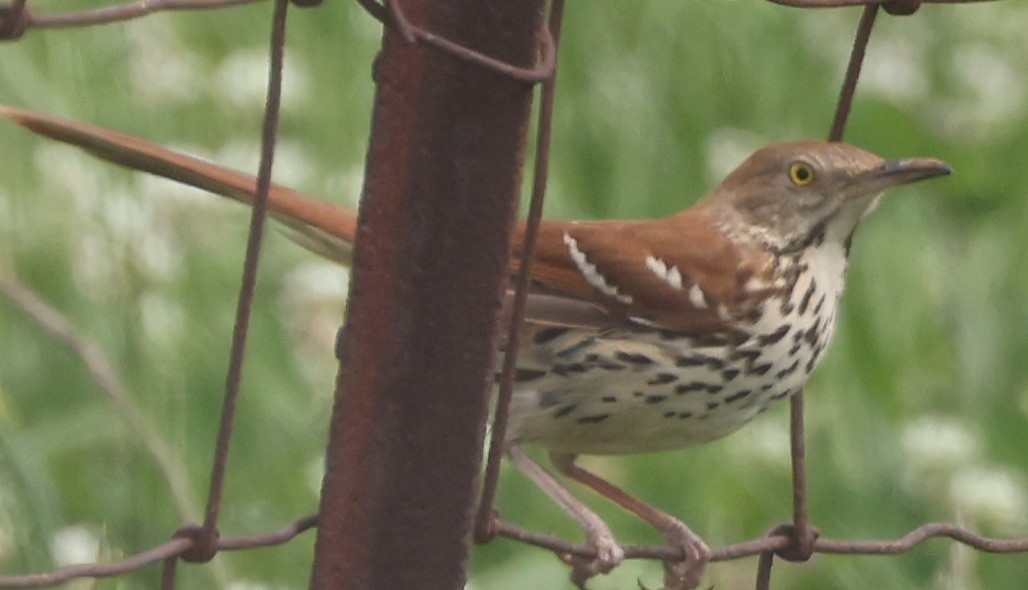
[(678, 273), (324, 227)]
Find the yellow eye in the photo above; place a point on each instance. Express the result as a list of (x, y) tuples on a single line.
[(801, 173)]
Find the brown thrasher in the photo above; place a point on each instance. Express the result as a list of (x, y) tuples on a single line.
[(667, 332)]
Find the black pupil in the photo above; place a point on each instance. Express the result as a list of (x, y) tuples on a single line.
[(802, 173)]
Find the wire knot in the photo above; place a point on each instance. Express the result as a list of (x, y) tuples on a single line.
[(902, 7), (205, 543), (801, 542)]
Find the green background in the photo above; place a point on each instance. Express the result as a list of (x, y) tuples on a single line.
[(918, 414)]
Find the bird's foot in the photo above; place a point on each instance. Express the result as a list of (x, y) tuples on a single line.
[(685, 574), (608, 555)]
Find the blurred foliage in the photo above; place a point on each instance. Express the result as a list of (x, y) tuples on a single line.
[(920, 412)]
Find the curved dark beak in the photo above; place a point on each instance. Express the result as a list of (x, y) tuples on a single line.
[(896, 172)]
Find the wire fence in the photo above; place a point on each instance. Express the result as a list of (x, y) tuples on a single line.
[(797, 540)]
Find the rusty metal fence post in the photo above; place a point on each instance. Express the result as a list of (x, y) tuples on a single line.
[(443, 176)]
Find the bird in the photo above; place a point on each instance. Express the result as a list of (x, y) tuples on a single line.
[(640, 335)]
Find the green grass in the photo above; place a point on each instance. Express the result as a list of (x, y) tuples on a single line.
[(919, 413)]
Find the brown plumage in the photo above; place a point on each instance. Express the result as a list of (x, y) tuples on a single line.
[(724, 272)]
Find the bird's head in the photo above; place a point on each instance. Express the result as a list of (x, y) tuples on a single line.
[(785, 195)]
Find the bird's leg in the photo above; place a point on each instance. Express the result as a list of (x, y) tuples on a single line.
[(597, 533), (682, 575)]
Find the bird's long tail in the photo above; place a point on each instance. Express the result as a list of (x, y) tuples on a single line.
[(323, 227)]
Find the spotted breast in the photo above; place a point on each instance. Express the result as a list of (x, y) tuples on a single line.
[(635, 388)]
